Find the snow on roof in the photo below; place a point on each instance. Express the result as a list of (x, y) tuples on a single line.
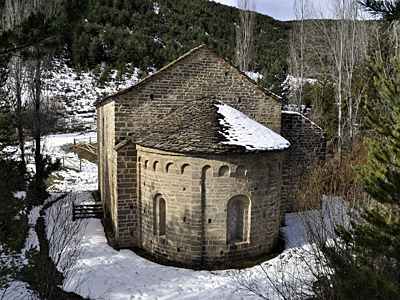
[(299, 114), (246, 132)]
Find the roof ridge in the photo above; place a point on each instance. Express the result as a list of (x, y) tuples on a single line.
[(181, 58)]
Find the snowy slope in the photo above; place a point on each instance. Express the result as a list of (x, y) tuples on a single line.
[(74, 94)]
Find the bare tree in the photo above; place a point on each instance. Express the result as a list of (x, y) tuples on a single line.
[(17, 82), (244, 34), (297, 49), (325, 199), (65, 240), (338, 44)]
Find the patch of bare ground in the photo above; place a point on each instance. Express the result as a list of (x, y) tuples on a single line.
[(84, 153)]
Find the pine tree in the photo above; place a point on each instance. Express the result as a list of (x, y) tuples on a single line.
[(366, 260), (387, 9)]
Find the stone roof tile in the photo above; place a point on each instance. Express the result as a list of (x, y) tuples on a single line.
[(193, 128)]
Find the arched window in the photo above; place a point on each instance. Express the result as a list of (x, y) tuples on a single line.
[(238, 219), (159, 215)]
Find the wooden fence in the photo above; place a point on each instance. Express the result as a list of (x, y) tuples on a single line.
[(65, 162), (87, 146), (71, 163), (90, 140)]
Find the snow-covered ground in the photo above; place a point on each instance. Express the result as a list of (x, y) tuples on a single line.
[(100, 272), (70, 179), (123, 274)]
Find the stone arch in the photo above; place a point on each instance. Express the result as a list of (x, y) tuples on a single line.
[(169, 167), (146, 164), (238, 219), (186, 169), (223, 171), (159, 215), (240, 171), (156, 166)]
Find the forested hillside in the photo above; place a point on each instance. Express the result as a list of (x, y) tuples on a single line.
[(150, 33)]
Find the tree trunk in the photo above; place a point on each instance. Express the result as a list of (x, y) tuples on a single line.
[(18, 91), (37, 136), (244, 34)]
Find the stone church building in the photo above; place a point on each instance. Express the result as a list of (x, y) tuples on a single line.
[(195, 159)]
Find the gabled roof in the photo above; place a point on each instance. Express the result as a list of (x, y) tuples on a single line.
[(207, 125), (180, 60)]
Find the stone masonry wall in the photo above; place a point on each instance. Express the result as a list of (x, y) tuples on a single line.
[(199, 193), (307, 147), (127, 204), (107, 156), (201, 73)]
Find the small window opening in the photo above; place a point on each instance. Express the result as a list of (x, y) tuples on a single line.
[(184, 219), (131, 233), (184, 189), (131, 206), (226, 73), (151, 96), (161, 214), (209, 220), (264, 215), (239, 99), (222, 252), (178, 250), (237, 220)]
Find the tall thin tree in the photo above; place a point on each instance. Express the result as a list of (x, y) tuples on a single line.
[(298, 40), (245, 54)]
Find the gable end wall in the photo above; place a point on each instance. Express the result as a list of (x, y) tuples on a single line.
[(202, 73)]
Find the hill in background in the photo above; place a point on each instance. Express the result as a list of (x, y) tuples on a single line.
[(153, 33)]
